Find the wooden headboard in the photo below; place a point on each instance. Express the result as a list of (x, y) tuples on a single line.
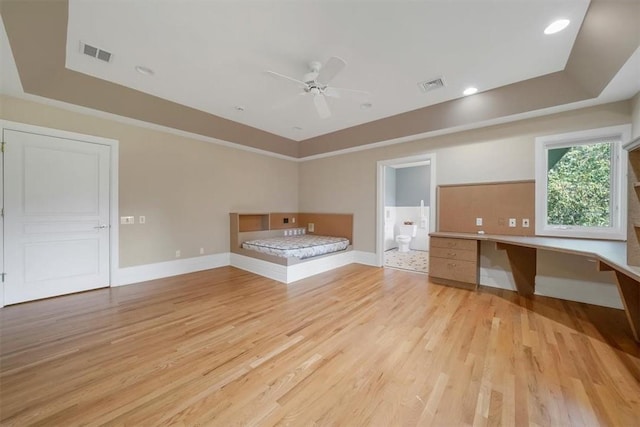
[(324, 224), (247, 226)]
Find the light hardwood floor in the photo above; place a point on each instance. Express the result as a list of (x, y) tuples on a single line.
[(354, 346)]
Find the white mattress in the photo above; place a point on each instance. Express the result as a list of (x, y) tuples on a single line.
[(304, 246)]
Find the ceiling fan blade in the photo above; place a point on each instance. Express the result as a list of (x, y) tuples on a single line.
[(332, 92), (282, 76), (341, 90), (321, 106), (329, 70)]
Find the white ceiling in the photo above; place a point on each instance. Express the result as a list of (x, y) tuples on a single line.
[(210, 55)]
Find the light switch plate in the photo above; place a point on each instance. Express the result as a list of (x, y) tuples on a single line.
[(512, 222), (479, 222)]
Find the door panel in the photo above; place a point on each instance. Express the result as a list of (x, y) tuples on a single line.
[(56, 216)]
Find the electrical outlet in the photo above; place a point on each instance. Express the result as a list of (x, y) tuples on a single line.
[(525, 222), (142, 219), (178, 253), (479, 222), (201, 251), (512, 222), (311, 227)]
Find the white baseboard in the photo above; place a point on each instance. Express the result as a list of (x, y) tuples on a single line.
[(303, 270), (263, 268), (142, 273), (596, 293), (280, 273), (366, 258), (311, 268), (497, 278)]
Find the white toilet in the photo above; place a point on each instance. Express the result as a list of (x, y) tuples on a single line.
[(405, 234)]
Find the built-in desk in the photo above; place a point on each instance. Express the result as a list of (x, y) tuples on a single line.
[(609, 256)]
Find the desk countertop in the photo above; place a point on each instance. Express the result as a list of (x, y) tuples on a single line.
[(610, 252)]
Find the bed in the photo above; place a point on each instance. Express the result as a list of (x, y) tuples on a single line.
[(301, 246)]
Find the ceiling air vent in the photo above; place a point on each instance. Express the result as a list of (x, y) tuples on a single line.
[(95, 52), (430, 85)]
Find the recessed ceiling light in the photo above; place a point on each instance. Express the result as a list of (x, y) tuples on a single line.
[(238, 108), (144, 70), (469, 91), (557, 26), (366, 105)]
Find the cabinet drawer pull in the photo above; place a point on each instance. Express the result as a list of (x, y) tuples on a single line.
[(451, 264), (451, 254)]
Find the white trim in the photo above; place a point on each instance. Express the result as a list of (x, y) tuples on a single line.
[(113, 144), (431, 134), (311, 268), (160, 270), (427, 158), (260, 267), (293, 273), (632, 145), (366, 258), (146, 125), (595, 293), (618, 230)]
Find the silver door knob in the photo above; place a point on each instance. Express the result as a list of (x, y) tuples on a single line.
[(101, 226)]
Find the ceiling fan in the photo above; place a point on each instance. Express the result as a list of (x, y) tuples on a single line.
[(316, 83)]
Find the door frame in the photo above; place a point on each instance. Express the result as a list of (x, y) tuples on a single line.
[(114, 229), (417, 159)]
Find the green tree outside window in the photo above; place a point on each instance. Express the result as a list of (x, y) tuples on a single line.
[(579, 186)]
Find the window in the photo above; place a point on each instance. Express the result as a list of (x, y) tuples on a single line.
[(581, 184)]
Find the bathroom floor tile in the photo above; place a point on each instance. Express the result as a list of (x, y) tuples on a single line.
[(412, 260)]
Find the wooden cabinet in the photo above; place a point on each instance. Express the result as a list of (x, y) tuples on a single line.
[(633, 205), (454, 261)]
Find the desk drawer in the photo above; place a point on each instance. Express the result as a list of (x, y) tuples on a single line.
[(461, 271), (454, 253), (446, 242)]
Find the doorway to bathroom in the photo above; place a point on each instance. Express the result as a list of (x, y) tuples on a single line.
[(406, 203)]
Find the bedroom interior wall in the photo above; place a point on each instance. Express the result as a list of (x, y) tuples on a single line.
[(185, 187), (347, 182)]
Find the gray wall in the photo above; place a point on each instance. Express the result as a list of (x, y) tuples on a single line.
[(389, 186), (412, 185)]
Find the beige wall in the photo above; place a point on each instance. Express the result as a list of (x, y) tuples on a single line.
[(347, 183), (185, 187)]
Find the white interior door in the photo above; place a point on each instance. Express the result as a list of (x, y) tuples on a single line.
[(56, 216)]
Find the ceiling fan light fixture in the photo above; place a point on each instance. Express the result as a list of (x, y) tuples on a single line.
[(144, 70), (557, 26)]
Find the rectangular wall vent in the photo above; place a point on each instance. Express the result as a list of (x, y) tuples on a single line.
[(430, 85), (95, 52)]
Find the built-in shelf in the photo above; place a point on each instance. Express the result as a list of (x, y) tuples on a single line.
[(253, 222), (633, 204)]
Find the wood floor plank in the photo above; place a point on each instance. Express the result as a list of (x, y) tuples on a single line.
[(354, 346)]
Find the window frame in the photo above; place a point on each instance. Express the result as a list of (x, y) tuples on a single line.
[(618, 228)]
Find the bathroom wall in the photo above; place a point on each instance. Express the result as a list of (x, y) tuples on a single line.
[(405, 189), (413, 185)]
